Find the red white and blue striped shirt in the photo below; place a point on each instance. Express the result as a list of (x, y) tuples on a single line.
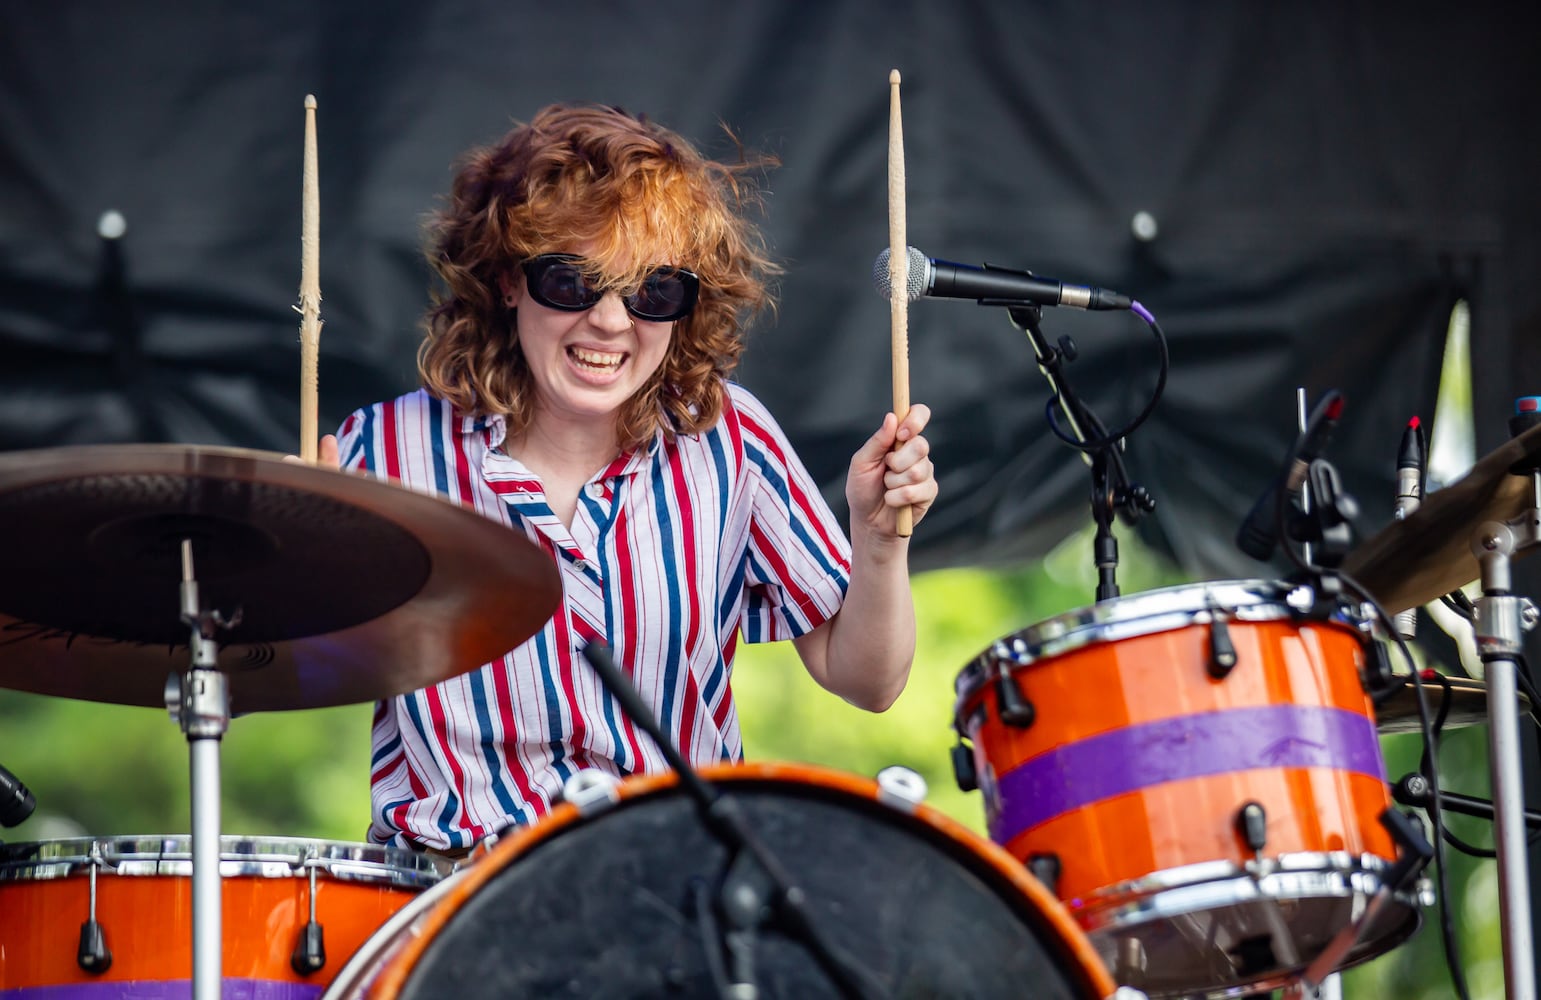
[(674, 552)]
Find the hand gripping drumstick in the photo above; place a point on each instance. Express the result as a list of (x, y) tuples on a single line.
[(898, 274), (310, 288)]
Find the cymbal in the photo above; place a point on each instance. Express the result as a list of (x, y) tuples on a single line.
[(1428, 554), (1398, 711), (349, 588)]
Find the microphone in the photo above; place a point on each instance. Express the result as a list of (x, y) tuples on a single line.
[(16, 803), (989, 285), (1410, 470), (1259, 532)]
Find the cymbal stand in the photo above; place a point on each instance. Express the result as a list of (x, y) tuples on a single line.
[(199, 701), (1502, 620)]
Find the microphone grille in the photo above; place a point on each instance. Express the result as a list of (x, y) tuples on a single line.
[(915, 280)]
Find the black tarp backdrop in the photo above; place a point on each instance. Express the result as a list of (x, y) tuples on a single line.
[(1327, 179)]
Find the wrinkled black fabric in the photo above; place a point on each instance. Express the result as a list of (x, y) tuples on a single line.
[(1327, 179)]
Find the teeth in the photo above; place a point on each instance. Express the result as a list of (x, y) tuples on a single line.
[(596, 359)]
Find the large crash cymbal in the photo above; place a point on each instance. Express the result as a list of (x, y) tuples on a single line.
[(1429, 553), (349, 589)]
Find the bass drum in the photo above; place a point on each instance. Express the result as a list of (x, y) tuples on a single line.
[(618, 898)]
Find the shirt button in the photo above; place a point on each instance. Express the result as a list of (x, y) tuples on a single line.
[(580, 565), (596, 490)]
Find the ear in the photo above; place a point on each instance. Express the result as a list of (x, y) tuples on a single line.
[(511, 287)]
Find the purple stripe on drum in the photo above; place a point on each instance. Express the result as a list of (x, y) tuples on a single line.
[(166, 989), (1190, 746)]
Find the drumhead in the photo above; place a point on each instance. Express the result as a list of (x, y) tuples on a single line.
[(626, 903), (266, 857)]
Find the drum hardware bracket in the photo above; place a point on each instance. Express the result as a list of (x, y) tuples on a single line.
[(963, 770), (310, 950), (901, 788), (1046, 868), (1252, 824), (1013, 706), (1222, 651), (591, 791), (1413, 789), (93, 955), (1414, 857)]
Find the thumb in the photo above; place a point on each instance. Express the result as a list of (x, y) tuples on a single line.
[(881, 442)]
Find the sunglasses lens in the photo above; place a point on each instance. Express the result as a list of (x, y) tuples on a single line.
[(557, 281), (559, 284), (665, 294)]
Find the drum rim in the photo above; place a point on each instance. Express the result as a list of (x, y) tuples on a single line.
[(268, 857), (1345, 875), (1131, 616)]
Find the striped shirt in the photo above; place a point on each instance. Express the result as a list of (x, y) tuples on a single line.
[(674, 552)]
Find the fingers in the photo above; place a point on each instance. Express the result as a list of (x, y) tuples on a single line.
[(326, 452), (875, 447)]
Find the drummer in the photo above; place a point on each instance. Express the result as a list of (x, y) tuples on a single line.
[(597, 277)]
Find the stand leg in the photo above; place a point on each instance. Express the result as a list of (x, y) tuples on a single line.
[(1509, 829), (1500, 630), (207, 917)]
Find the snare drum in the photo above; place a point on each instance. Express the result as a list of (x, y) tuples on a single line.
[(1197, 771), (622, 896), (141, 891)]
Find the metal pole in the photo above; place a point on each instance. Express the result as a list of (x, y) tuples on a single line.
[(1500, 626)]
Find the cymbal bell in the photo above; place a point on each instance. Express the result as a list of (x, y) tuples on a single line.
[(349, 589), (1429, 553)]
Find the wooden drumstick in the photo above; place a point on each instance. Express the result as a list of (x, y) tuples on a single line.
[(898, 274), (310, 288)]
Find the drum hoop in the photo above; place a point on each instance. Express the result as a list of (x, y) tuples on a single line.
[(1146, 613), (1090, 970), (265, 857)]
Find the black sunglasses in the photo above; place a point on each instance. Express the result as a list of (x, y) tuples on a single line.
[(557, 281)]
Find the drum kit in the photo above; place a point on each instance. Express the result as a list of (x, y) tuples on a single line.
[(1184, 788)]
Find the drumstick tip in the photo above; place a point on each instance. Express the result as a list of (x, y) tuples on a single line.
[(893, 77), (310, 102)]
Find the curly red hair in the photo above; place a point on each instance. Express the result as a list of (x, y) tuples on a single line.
[(633, 194)]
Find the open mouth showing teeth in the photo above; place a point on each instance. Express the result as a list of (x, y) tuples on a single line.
[(595, 361)]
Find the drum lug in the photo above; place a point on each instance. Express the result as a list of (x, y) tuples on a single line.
[(93, 955), (1047, 869), (963, 769), (1252, 824), (901, 788), (1014, 708), (591, 790), (310, 953), (1222, 651)]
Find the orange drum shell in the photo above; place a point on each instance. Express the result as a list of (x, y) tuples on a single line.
[(1112, 685), (147, 923), (400, 960)]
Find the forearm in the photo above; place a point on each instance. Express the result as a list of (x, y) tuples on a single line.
[(871, 641)]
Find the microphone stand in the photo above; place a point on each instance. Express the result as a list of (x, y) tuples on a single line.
[(755, 886), (1112, 493)]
